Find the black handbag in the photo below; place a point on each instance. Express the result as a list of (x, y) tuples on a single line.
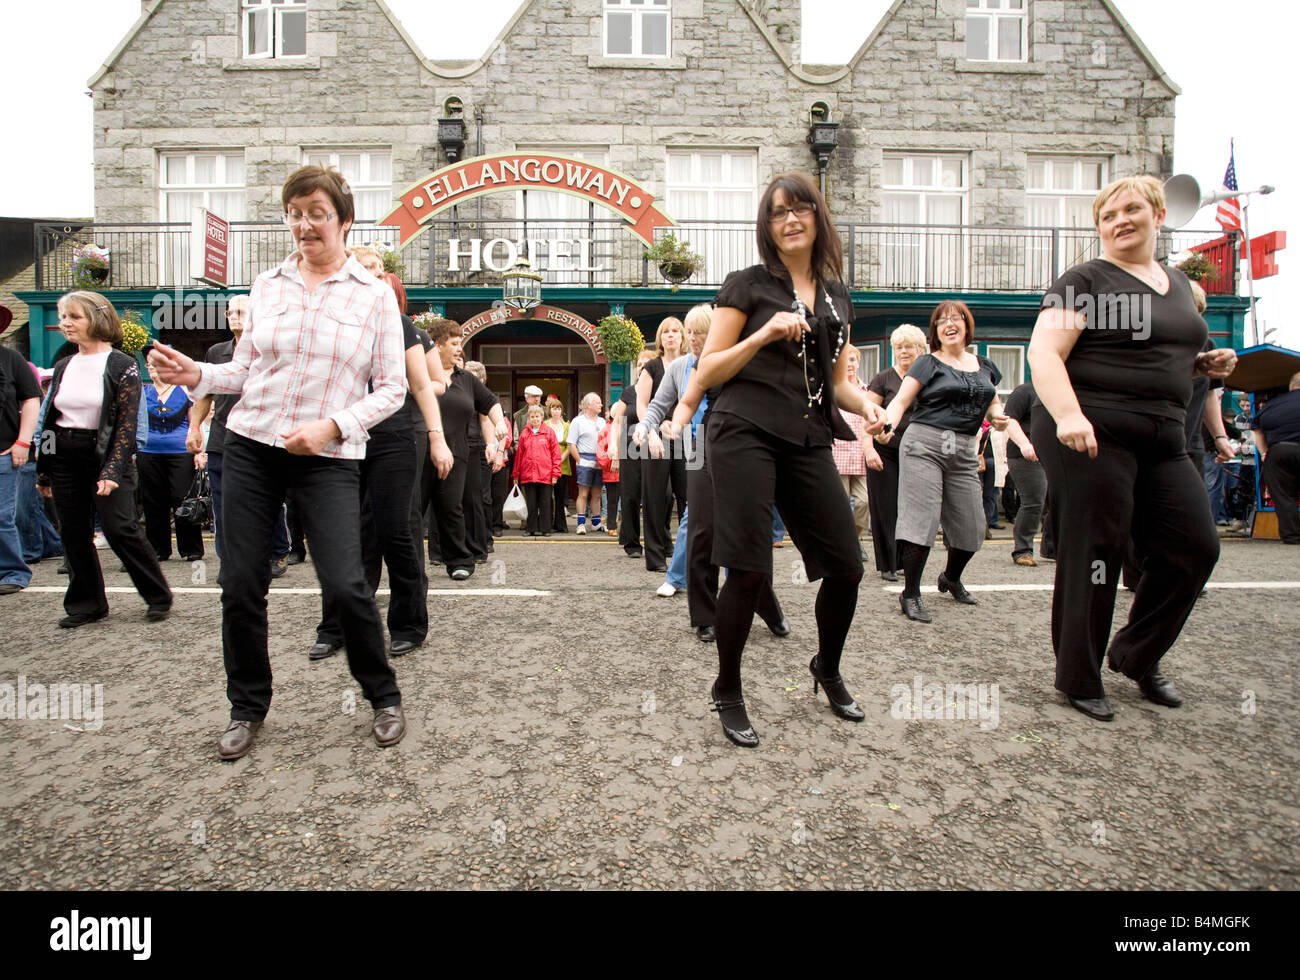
[(197, 505)]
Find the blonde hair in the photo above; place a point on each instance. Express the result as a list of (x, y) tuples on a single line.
[(99, 312), (1143, 185), (670, 321), (363, 250), (908, 333), (477, 369), (1198, 295), (699, 319)]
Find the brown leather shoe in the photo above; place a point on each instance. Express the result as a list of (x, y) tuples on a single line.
[(237, 740), (389, 725)]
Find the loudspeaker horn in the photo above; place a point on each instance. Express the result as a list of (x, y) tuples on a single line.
[(1182, 200)]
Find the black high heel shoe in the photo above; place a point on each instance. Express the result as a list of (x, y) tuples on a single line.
[(743, 734), (845, 706), (957, 589), (912, 608)]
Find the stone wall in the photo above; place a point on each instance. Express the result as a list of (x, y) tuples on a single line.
[(181, 84)]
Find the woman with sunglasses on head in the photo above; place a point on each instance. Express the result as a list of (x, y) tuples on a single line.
[(775, 348), (953, 392)]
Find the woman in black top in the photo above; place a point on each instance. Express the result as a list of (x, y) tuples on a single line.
[(953, 391), (465, 399), (908, 344), (1113, 355), (86, 461), (663, 477), (775, 349)]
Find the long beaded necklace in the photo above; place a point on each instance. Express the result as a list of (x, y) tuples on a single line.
[(801, 308)]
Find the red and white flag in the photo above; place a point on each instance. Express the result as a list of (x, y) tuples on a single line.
[(1229, 213)]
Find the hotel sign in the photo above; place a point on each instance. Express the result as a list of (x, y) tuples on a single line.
[(542, 314), (469, 179)]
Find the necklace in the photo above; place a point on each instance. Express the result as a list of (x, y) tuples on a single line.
[(801, 308)]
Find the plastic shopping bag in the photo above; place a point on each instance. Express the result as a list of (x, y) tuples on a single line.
[(515, 509)]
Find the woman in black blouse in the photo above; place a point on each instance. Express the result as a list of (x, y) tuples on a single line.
[(86, 461), (1113, 355), (908, 344), (775, 349), (465, 399), (953, 392)]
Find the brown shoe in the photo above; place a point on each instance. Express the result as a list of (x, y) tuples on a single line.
[(389, 725), (1026, 560), (237, 740)]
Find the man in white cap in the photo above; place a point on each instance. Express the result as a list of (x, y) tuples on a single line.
[(532, 396)]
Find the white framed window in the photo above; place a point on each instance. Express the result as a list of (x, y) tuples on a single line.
[(212, 179), (1010, 360), (868, 362), (1059, 191), (275, 28), (716, 191), (368, 171), (997, 30), (557, 225), (925, 195), (638, 28)]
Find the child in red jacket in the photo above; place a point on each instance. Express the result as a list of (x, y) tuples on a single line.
[(608, 476), (537, 467)]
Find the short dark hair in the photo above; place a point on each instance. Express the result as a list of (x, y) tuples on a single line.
[(305, 180), (440, 329), (946, 306), (828, 253)]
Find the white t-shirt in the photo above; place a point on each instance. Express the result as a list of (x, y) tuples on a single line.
[(582, 434), (81, 392)]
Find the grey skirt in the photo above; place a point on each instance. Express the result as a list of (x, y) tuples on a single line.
[(938, 478)]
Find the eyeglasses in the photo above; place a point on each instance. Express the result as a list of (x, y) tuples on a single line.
[(315, 218), (909, 347), (951, 318), (801, 210)]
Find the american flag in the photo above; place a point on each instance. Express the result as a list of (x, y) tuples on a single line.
[(1229, 213)]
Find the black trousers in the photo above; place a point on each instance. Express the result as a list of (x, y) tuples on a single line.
[(450, 519), (420, 447), (989, 486), (1032, 483), (538, 497), (501, 484), (477, 531), (279, 540), (629, 495), (485, 501), (882, 502), (701, 573), (1134, 563), (165, 479), (257, 479), (293, 519), (1282, 474), (1142, 485), (74, 474), (559, 501), (656, 503), (387, 486)]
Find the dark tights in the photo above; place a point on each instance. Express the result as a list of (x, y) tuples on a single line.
[(913, 556), (837, 600)]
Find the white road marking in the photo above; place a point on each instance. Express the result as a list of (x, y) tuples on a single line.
[(1025, 587), (526, 593)]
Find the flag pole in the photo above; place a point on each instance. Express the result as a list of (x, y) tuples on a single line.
[(1250, 271)]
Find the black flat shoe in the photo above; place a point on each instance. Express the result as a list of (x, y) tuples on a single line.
[(633, 552), (293, 558), (740, 731), (1096, 708), (319, 651), (889, 576), (705, 634), (401, 648), (957, 589), (81, 619), (1160, 689), (780, 629), (158, 611), (841, 700), (912, 608)]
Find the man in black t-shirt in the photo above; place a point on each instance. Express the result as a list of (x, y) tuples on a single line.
[(1277, 435)]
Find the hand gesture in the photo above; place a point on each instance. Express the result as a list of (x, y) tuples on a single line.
[(1000, 422), (194, 439), (172, 367), (874, 416), (656, 445), (1216, 363), (786, 325), (441, 458), (1075, 431), (104, 487), (310, 438), (874, 462), (1027, 451)]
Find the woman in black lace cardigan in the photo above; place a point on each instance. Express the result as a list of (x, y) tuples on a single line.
[(85, 460)]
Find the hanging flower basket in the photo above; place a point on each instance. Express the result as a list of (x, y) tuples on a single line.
[(676, 260), (89, 267), (620, 337), (134, 333)]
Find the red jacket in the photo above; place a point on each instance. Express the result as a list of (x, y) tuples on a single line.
[(537, 456), (602, 455)]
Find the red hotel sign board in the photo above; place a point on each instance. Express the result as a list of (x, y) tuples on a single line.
[(545, 314), (209, 248), (464, 181)]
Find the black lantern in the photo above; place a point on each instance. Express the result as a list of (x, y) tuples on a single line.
[(521, 287), (823, 139), (451, 137)]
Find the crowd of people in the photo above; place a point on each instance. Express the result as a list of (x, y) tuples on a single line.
[(324, 430)]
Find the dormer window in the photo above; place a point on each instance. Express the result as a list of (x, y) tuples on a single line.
[(997, 30), (637, 28), (275, 28)]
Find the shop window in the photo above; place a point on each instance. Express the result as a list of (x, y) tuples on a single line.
[(275, 28)]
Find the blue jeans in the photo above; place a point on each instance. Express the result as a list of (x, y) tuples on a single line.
[(677, 566), (13, 570), (1216, 485), (778, 526), (39, 537)]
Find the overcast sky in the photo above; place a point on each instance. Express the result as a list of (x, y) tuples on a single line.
[(1234, 63)]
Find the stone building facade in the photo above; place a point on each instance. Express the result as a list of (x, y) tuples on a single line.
[(953, 121)]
